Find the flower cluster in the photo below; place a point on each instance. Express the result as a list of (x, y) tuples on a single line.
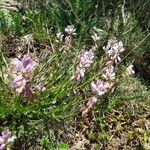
[(100, 87), (70, 29), (103, 85), (129, 70), (108, 72), (19, 83), (40, 87), (113, 49), (6, 140), (85, 60), (24, 67)]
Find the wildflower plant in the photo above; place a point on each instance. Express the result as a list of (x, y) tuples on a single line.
[(24, 68), (6, 140), (113, 49), (85, 61), (76, 72)]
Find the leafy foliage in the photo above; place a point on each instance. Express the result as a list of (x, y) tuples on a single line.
[(43, 122)]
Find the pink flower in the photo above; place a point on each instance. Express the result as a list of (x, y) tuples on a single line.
[(129, 70), (25, 65), (81, 71), (40, 87), (70, 29), (19, 84), (6, 139), (11, 139), (109, 73), (1, 140), (2, 146), (113, 49), (99, 87), (86, 58)]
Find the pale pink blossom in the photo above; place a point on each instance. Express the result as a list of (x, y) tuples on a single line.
[(19, 84), (1, 140), (109, 73), (85, 61), (6, 140), (70, 29), (113, 49), (129, 70), (86, 58), (11, 139), (40, 87), (99, 87), (25, 64), (80, 73), (2, 146)]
